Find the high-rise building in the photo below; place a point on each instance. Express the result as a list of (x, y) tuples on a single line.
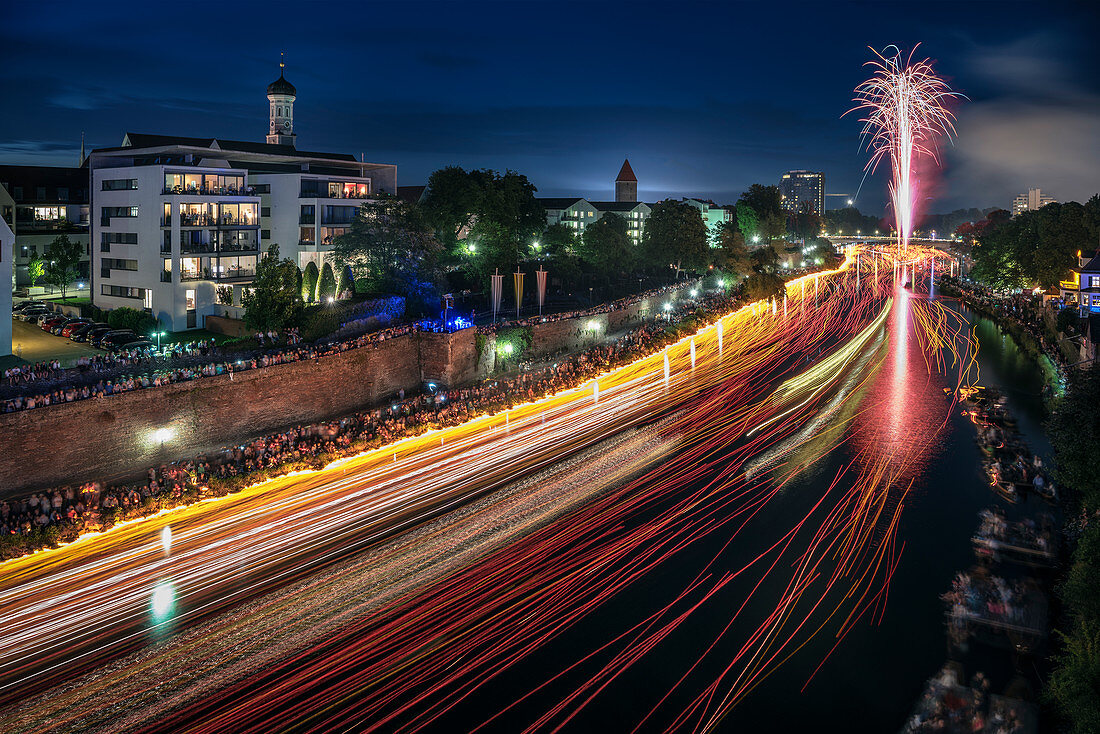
[(626, 184), (178, 224), (796, 187), (1031, 201)]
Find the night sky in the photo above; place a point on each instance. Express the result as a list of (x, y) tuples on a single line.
[(705, 98)]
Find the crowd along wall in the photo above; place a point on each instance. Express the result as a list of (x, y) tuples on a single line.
[(114, 437)]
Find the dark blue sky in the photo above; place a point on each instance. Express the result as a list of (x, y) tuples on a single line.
[(705, 98)]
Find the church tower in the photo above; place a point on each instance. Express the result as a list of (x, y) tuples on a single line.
[(280, 97), (626, 184)]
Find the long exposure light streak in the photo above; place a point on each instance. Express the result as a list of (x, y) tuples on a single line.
[(405, 663)]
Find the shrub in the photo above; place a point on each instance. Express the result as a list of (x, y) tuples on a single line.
[(125, 317), (1067, 319), (326, 286), (309, 282), (345, 286)]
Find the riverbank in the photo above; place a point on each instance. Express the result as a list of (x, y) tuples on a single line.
[(1035, 341)]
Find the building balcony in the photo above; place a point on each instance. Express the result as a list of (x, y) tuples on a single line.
[(209, 191), (211, 248), (341, 195), (229, 275)]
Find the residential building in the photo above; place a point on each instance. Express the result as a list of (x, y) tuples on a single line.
[(1031, 201), (1087, 275), (573, 212), (626, 184), (7, 242), (634, 212), (713, 216), (39, 203), (176, 218), (798, 187)]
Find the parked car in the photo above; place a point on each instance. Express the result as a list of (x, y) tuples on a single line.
[(32, 313), (113, 333), (60, 327), (112, 341), (23, 305), (49, 321), (81, 333), (140, 343), (71, 326), (95, 334)]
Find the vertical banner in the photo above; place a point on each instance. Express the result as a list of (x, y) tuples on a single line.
[(540, 278), (495, 291), (517, 281)]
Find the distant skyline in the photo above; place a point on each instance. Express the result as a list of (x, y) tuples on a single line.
[(704, 99)]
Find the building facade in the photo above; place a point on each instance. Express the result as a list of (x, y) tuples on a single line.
[(713, 216), (7, 243), (798, 187), (1031, 201), (38, 203), (179, 224), (577, 214)]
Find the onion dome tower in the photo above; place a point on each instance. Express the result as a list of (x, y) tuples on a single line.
[(280, 97)]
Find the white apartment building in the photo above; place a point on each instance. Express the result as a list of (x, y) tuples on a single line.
[(578, 213), (1031, 201), (174, 218)]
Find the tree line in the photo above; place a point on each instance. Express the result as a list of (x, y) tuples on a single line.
[(472, 223), (1036, 247)]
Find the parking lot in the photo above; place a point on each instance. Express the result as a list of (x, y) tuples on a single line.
[(31, 344)]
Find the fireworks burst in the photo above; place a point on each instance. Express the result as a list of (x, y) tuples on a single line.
[(905, 114)]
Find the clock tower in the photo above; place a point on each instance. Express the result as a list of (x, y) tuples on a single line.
[(280, 97)]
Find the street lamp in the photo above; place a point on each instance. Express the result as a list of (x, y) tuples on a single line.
[(158, 335), (755, 239)]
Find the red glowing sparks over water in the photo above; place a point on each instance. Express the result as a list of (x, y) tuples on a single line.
[(904, 104)]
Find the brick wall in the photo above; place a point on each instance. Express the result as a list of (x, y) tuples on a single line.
[(118, 435)]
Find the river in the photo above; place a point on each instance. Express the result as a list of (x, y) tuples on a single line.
[(872, 678)]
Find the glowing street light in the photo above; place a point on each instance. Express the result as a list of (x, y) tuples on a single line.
[(849, 202), (158, 335)]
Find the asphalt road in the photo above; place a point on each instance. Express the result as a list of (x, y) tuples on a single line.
[(32, 344)]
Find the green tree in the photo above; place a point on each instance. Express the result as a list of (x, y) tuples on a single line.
[(606, 245), (764, 200), (558, 240), (805, 223), (773, 226), (850, 221), (762, 286), (486, 220), (391, 245), (36, 268), (275, 300), (765, 259), (62, 258), (1074, 430), (748, 222), (675, 235), (310, 277), (326, 285), (732, 255)]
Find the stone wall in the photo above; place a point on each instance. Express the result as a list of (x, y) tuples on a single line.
[(116, 436)]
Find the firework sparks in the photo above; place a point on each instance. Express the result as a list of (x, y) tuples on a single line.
[(904, 104)]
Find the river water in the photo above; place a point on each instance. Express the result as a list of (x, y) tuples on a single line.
[(871, 679)]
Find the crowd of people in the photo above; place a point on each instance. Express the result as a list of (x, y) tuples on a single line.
[(980, 597), (313, 446), (110, 374), (1025, 533), (1023, 309), (949, 707)]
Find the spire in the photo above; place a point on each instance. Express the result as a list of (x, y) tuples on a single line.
[(82, 156), (626, 173), (282, 62)]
